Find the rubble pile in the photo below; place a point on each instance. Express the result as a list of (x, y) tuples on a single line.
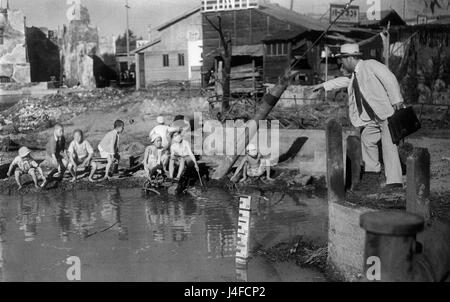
[(33, 113), (311, 116)]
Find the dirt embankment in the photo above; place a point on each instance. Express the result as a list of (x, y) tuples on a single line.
[(30, 123)]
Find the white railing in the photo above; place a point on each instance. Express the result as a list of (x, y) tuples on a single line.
[(224, 5)]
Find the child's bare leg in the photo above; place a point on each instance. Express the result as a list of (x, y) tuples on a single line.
[(182, 163), (73, 172), (17, 175), (268, 173), (93, 170), (108, 167), (32, 173), (165, 161), (171, 167), (244, 168), (236, 174)]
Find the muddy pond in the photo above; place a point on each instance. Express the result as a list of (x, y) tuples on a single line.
[(124, 235)]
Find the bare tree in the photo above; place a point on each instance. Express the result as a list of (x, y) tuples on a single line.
[(225, 53)]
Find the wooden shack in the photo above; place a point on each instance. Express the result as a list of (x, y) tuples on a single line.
[(248, 24)]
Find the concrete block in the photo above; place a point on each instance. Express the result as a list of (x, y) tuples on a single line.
[(346, 241)]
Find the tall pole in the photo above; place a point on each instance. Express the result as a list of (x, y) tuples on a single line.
[(127, 7), (292, 4)]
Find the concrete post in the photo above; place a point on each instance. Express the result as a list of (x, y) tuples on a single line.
[(390, 246), (354, 153), (418, 183), (335, 162)]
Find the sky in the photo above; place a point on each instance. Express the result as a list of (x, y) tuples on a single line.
[(109, 15)]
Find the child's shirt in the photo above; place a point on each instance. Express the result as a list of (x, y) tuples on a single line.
[(180, 149), (154, 155), (163, 132), (56, 146), (110, 142), (254, 162), (24, 163), (82, 150)]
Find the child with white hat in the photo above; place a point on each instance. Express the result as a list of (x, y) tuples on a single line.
[(155, 157), (25, 164), (161, 130), (253, 165)]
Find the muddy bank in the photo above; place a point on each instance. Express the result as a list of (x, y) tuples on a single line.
[(285, 180)]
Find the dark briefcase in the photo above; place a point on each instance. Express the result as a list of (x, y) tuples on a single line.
[(403, 123)]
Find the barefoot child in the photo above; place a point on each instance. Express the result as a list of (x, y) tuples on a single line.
[(181, 153), (253, 165), (155, 156), (109, 146), (56, 153), (25, 164), (80, 155)]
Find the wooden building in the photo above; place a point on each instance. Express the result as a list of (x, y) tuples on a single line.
[(175, 55), (249, 28)]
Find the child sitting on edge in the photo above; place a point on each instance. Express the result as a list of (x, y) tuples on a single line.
[(109, 146), (155, 157), (181, 153), (80, 155), (56, 153), (25, 164), (253, 165)]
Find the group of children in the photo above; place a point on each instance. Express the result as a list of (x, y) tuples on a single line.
[(167, 150), (79, 155)]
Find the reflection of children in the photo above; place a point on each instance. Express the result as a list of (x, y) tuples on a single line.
[(109, 146), (253, 165), (181, 153), (155, 156), (80, 155), (25, 164)]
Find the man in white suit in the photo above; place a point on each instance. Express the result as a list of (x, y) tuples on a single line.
[(374, 95)]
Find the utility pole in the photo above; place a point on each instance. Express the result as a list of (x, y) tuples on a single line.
[(292, 4), (127, 7)]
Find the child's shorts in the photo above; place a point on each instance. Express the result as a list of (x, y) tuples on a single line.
[(177, 158), (30, 171), (104, 154), (79, 161), (258, 171)]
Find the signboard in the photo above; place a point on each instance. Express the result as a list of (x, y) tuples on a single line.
[(351, 16), (140, 43), (421, 19), (224, 5)]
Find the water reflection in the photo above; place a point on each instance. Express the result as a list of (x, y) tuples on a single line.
[(170, 219), (111, 213), (28, 217), (134, 233), (2, 231)]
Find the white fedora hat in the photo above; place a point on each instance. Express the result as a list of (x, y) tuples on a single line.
[(349, 50)]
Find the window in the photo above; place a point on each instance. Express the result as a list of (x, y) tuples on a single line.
[(181, 59), (166, 60), (277, 49)]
